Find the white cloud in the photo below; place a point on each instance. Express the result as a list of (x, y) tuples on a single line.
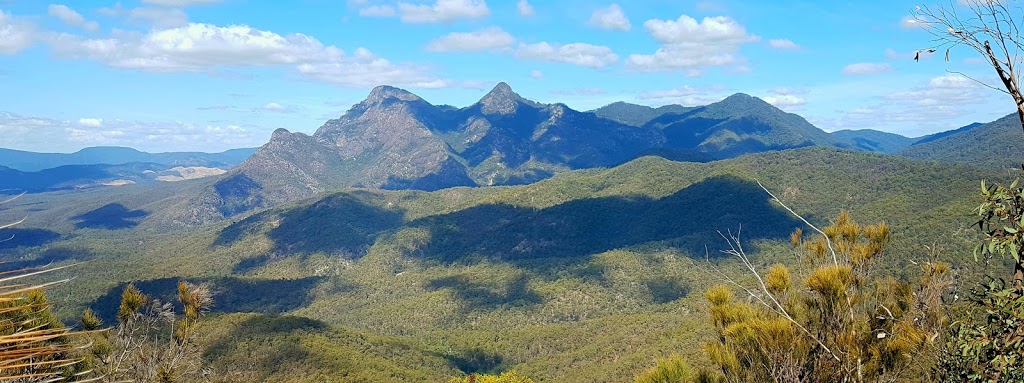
[(926, 108), (91, 122), (208, 48), (377, 11), (866, 69), (46, 134), (593, 56), (70, 17), (691, 46), (909, 22), (685, 95), (158, 17), (536, 74), (485, 39), (525, 9), (783, 44), (442, 11), (275, 107), (180, 3), (953, 81), (15, 34), (611, 18), (785, 101)]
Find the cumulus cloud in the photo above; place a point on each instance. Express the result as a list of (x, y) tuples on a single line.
[(207, 48), (866, 69), (909, 22), (47, 134), (483, 40), (785, 44), (525, 9), (536, 74), (443, 11), (15, 34), (70, 17), (91, 122), (592, 56), (926, 108), (692, 46), (611, 18), (785, 101)]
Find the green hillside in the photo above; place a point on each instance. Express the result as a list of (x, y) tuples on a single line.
[(588, 276), (994, 145)]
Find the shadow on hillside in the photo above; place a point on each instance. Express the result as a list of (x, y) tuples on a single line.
[(230, 295), (13, 238), (342, 224), (483, 296), (263, 333), (47, 258), (690, 219), (112, 216), (475, 361)]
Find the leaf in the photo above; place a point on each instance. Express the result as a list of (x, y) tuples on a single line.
[(1010, 230)]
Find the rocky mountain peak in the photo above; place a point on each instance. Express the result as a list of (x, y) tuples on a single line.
[(501, 100), (384, 92)]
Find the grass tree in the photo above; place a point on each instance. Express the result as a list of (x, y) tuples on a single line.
[(833, 318)]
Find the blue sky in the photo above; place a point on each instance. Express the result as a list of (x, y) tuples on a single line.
[(209, 75)]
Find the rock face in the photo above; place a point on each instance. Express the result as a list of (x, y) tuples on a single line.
[(396, 140)]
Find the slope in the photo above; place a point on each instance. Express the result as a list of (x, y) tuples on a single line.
[(995, 145)]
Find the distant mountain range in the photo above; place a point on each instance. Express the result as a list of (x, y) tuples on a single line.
[(112, 155), (69, 177), (396, 140)]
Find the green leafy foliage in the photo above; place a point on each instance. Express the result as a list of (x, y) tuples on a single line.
[(988, 344)]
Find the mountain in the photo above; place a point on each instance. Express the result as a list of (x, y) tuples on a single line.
[(936, 136), (998, 144), (868, 140), (396, 140), (33, 162), (78, 177), (636, 115), (586, 276), (737, 125)]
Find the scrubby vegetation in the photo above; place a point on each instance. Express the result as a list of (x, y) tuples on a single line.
[(542, 279)]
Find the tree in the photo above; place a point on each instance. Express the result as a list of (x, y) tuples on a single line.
[(34, 345), (840, 322), (505, 377), (990, 27), (151, 343)]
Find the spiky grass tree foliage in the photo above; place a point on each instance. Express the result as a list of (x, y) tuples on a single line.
[(151, 342), (505, 377), (837, 322), (673, 370), (34, 345)]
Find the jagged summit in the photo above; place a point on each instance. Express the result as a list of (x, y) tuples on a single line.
[(384, 92), (501, 100)]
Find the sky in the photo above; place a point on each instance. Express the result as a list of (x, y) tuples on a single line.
[(211, 75)]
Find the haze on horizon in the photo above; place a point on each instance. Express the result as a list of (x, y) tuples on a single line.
[(211, 75)]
